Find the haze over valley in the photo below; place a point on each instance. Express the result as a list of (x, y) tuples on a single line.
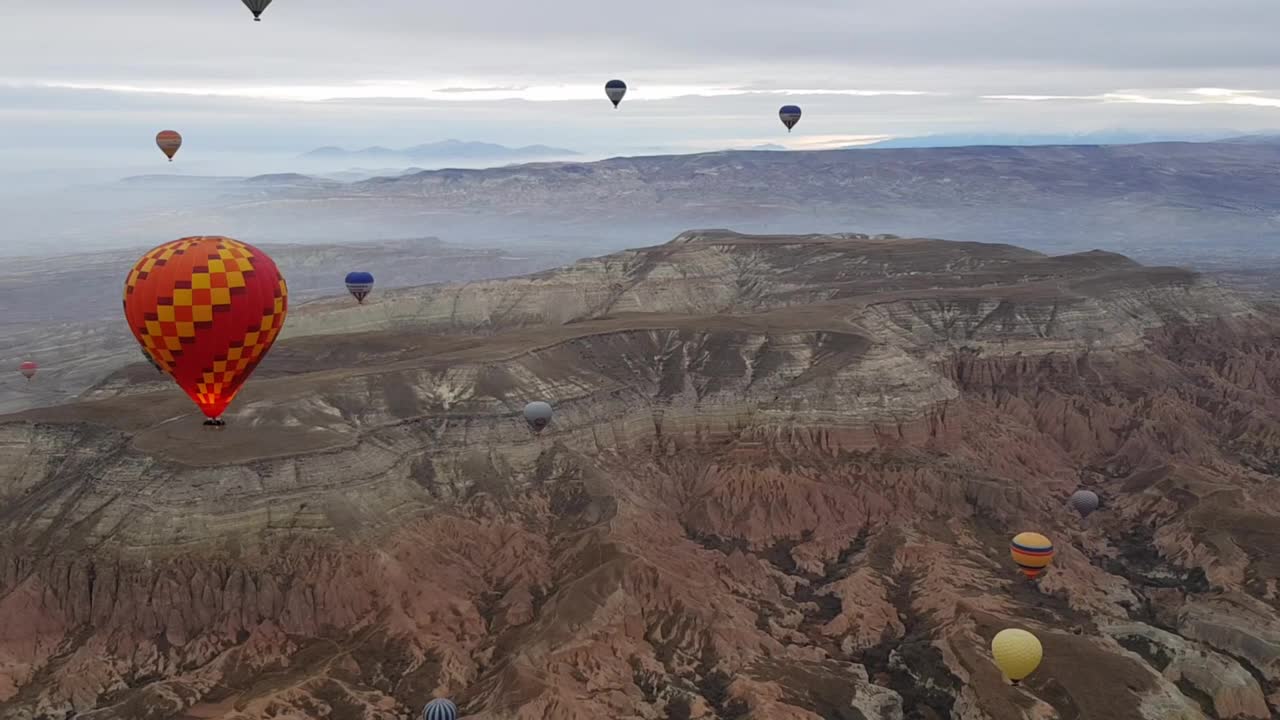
[(1208, 205)]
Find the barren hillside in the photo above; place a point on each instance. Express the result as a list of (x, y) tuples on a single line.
[(780, 484)]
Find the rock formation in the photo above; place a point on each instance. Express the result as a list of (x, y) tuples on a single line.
[(780, 483)]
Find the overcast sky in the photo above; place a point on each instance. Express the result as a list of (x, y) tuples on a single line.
[(91, 81)]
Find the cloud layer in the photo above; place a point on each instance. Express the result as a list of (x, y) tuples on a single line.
[(86, 75)]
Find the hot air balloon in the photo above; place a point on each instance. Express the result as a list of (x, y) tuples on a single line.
[(1017, 653), (28, 370), (615, 89), (168, 142), (790, 115), (151, 360), (257, 6), (359, 284), (207, 309), (1084, 502), (440, 709), (1033, 552), (537, 414)]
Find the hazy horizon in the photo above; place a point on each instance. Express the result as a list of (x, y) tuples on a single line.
[(83, 97), (331, 73)]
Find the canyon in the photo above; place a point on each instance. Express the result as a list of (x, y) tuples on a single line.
[(780, 484)]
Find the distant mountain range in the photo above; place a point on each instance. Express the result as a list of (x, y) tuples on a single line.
[(443, 150), (1213, 204), (1266, 139), (484, 152), (1107, 137)]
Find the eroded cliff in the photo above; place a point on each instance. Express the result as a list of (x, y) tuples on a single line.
[(780, 483)]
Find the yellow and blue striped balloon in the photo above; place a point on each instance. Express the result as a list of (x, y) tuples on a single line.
[(1033, 552)]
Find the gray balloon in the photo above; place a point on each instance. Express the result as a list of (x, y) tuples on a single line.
[(615, 89), (256, 7), (537, 414), (1084, 502)]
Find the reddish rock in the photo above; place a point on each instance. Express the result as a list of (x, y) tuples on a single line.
[(750, 504)]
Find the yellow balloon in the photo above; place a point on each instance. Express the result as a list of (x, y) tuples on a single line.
[(1016, 652)]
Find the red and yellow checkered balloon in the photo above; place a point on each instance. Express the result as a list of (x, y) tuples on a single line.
[(207, 310)]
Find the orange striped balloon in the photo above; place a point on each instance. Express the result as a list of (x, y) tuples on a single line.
[(168, 141), (1032, 552)]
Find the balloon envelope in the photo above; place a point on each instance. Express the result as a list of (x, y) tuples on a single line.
[(1084, 502), (151, 360), (440, 709), (359, 284), (256, 7), (537, 414), (790, 115), (207, 309), (28, 369), (615, 89), (1017, 653), (1032, 552), (168, 141)]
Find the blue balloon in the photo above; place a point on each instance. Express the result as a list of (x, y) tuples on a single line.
[(440, 709), (359, 284)]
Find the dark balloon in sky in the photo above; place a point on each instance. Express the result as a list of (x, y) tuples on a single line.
[(790, 115), (256, 7), (615, 89)]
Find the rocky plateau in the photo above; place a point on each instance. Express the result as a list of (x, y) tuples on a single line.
[(780, 485)]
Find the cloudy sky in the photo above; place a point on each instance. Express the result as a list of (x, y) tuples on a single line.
[(91, 81)]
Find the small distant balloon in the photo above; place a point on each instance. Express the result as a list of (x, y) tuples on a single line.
[(1084, 502), (1017, 653), (256, 7), (359, 284), (537, 414), (28, 369), (615, 89), (440, 709), (790, 115), (168, 141), (1032, 552)]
